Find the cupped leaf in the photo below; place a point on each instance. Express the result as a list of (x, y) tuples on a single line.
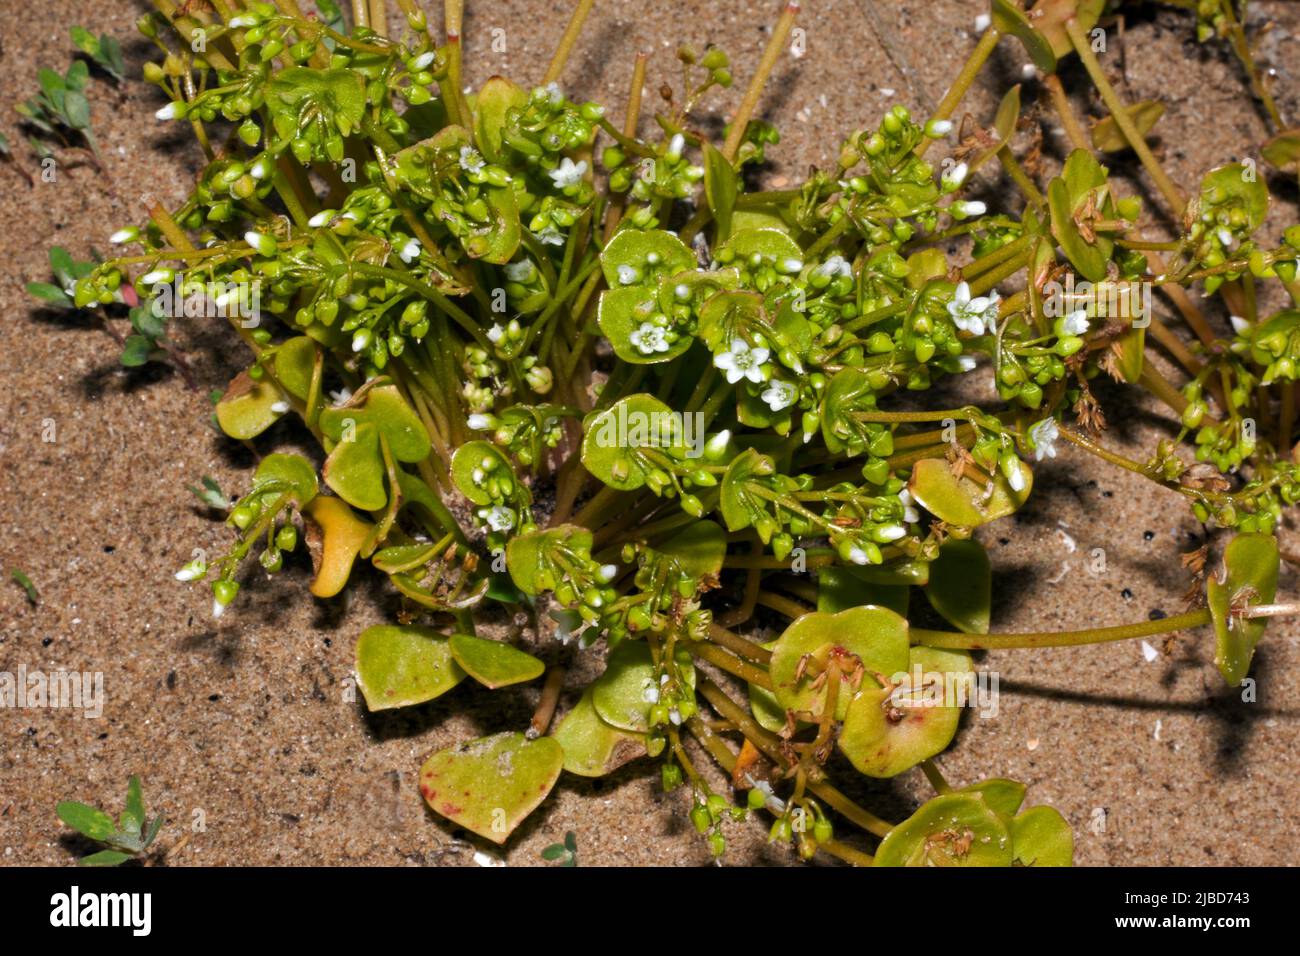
[(249, 407), (961, 585), (477, 468), (1041, 837), (874, 636), (634, 324), (962, 501), (1237, 189), (335, 535), (495, 100), (640, 257), (401, 666), (490, 785), (534, 559), (494, 663), (1248, 576), (292, 474), (338, 96), (611, 447), (956, 829), (1003, 795), (891, 729), (593, 748), (624, 694)]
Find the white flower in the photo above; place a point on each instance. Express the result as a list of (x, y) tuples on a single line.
[(498, 518), (955, 177), (966, 362), (1043, 437), (779, 394), (470, 160), (836, 266), (982, 22), (1028, 71), (858, 555), (566, 624), (479, 422), (238, 23), (960, 210), (675, 147), (342, 396), (938, 128), (675, 717), (192, 571), (1076, 323), (568, 173), (483, 859), (772, 801), (124, 235), (650, 693), (218, 609), (1239, 325), (495, 333), (627, 275), (550, 236), (972, 315), (422, 61), (649, 339), (279, 407), (607, 573), (910, 514), (169, 112), (891, 532), (554, 93), (411, 251), (157, 277), (520, 271), (321, 218), (1017, 479), (742, 362)]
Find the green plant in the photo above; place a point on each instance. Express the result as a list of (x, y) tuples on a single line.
[(127, 839), (60, 109), (104, 51), (567, 852), (670, 399)]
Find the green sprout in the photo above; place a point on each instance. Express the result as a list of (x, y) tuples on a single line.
[(127, 839), (567, 852)]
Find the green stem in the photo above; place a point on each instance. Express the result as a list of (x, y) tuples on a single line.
[(1097, 635)]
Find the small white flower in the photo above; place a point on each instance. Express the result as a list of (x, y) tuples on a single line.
[(1076, 323), (935, 129), (566, 624), (675, 717), (342, 396), (1239, 325), (158, 277), (520, 271), (675, 147), (972, 315), (483, 859), (649, 339), (495, 333), (891, 532), (966, 363), (961, 210), (479, 422), (1043, 437), (910, 514), (261, 168), (422, 61), (607, 573), (470, 160), (836, 266), (279, 407), (321, 218), (192, 571), (1225, 237), (218, 609), (550, 236), (628, 275), (982, 22), (772, 801), (650, 693), (242, 21), (568, 173), (1028, 71), (169, 112), (411, 251), (779, 394), (124, 236), (554, 93), (498, 518), (1017, 479), (858, 555), (742, 362)]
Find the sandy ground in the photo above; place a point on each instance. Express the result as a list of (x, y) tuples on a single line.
[(243, 730)]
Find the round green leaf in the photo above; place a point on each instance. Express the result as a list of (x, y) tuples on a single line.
[(292, 473), (874, 635), (383, 407), (1003, 795), (613, 437), (956, 829), (491, 784), (961, 585), (1283, 150), (619, 694), (476, 463), (623, 314), (248, 407), (963, 502), (494, 663), (355, 469), (532, 558), (841, 588), (1250, 568), (400, 666), (1041, 837), (295, 362), (887, 731), (592, 748), (636, 257)]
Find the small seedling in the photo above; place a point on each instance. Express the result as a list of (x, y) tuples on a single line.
[(103, 50), (127, 839), (566, 851), (25, 582)]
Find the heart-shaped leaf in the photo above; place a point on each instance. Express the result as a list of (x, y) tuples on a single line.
[(961, 585), (892, 729), (489, 785), (956, 829), (1041, 837), (592, 748), (875, 636), (335, 535), (962, 501), (624, 694), (355, 468), (1249, 575), (494, 663), (401, 666)]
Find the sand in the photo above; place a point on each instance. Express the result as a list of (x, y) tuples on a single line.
[(245, 731)]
